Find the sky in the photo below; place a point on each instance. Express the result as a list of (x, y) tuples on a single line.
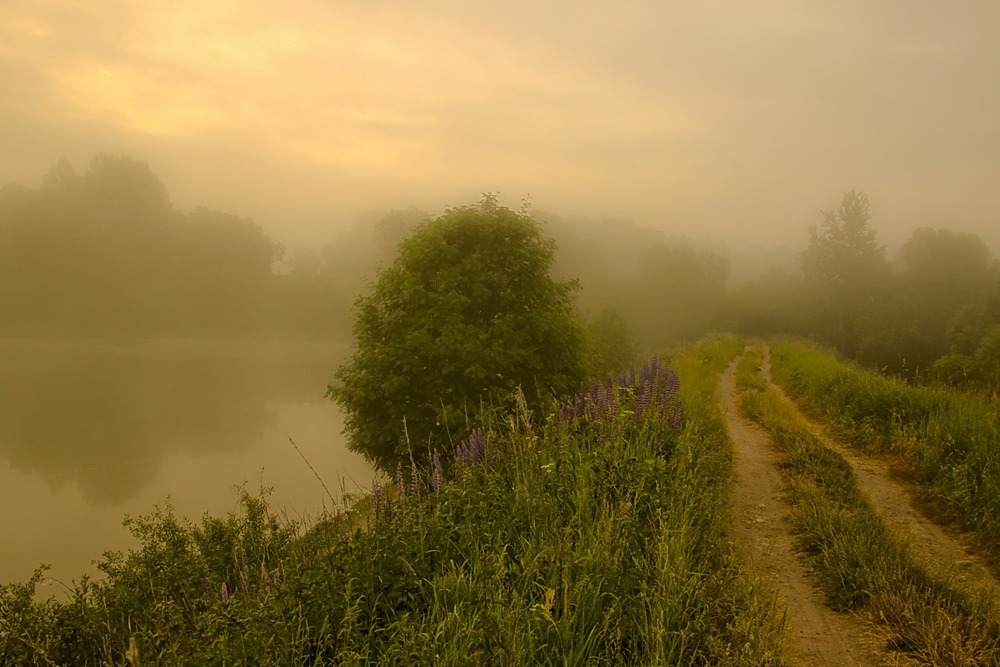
[(734, 122)]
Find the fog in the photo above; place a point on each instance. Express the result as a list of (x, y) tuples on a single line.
[(178, 181), (736, 124)]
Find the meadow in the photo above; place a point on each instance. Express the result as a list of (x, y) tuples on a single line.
[(862, 565), (592, 535), (945, 439)]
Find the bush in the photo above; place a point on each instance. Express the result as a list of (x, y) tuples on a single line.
[(466, 314)]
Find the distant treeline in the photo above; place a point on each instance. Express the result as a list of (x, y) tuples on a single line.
[(105, 253), (932, 311)]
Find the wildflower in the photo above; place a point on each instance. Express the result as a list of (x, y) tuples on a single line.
[(478, 450), (436, 474), (399, 480), (642, 402), (224, 592)]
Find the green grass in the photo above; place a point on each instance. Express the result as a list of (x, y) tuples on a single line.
[(584, 541), (860, 564), (949, 440)]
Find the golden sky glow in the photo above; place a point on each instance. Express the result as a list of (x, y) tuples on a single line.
[(716, 119)]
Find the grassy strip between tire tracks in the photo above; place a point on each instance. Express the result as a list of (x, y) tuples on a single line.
[(949, 440), (591, 537), (859, 563)]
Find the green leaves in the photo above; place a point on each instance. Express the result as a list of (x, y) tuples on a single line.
[(467, 313)]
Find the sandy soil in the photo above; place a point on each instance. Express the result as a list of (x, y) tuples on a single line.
[(761, 534), (940, 553)]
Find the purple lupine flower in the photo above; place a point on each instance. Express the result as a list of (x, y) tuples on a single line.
[(414, 478), (593, 405), (608, 407), (400, 487), (478, 446), (436, 474), (675, 421), (224, 592), (642, 402), (631, 375), (673, 382)]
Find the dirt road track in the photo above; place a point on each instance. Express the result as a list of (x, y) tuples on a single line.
[(939, 552), (760, 533)]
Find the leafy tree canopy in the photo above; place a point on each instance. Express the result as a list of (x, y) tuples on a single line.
[(846, 276), (467, 313)]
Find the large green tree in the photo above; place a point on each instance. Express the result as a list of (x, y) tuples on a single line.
[(467, 313)]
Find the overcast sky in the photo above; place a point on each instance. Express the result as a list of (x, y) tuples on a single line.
[(723, 120)]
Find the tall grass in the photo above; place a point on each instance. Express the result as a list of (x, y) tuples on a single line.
[(859, 563), (950, 440), (591, 536)]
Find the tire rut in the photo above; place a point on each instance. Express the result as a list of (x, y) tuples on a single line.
[(761, 534), (931, 546)]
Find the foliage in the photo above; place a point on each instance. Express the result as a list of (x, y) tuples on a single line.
[(668, 291), (612, 344), (979, 370), (105, 253), (946, 278), (466, 313), (845, 272), (595, 539)]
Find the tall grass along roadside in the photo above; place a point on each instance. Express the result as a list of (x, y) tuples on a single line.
[(948, 439), (592, 536), (859, 563)]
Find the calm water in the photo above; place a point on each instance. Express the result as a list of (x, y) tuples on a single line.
[(90, 432)]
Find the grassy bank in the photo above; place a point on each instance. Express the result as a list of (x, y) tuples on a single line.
[(592, 536), (949, 440), (860, 564)]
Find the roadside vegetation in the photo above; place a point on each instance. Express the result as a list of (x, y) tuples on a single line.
[(860, 564), (590, 536), (946, 439)]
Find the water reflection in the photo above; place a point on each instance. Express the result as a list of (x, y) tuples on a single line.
[(89, 432), (106, 416)]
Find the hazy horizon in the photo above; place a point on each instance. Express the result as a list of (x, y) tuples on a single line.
[(726, 123)]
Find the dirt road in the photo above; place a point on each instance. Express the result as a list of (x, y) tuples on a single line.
[(760, 533)]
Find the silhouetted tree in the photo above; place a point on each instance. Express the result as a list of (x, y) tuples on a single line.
[(106, 253), (943, 289), (845, 273)]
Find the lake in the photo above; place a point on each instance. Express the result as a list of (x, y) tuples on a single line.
[(92, 431)]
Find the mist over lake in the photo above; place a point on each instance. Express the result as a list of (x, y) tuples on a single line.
[(92, 431)]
